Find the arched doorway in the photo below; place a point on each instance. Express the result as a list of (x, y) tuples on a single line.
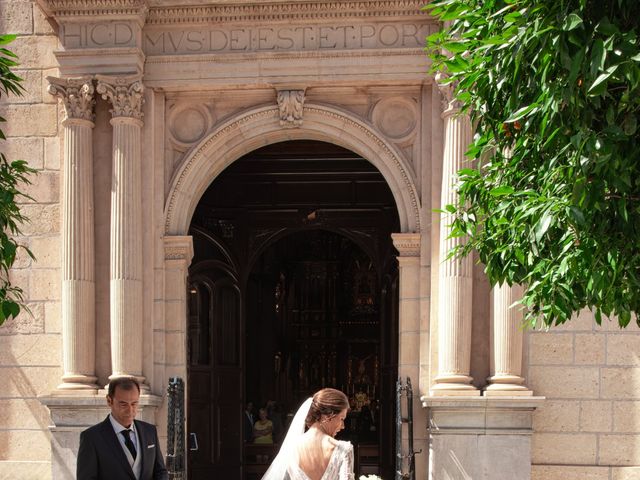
[(293, 286)]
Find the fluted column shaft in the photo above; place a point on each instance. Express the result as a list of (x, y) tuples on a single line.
[(455, 275), (506, 343), (78, 272), (126, 298)]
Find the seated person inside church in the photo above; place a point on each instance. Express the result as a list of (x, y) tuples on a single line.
[(263, 429)]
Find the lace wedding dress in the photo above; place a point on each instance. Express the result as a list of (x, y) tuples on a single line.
[(340, 465)]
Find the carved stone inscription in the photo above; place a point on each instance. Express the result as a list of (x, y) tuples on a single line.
[(281, 38), (98, 35)]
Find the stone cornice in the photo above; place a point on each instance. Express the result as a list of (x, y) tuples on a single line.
[(289, 11), (90, 9)]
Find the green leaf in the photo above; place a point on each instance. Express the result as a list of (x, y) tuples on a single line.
[(543, 225), (572, 22), (501, 191)]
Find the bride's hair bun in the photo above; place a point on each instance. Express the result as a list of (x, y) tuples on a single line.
[(327, 401)]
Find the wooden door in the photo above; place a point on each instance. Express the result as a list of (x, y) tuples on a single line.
[(215, 380)]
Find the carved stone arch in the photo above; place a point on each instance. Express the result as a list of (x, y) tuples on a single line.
[(260, 127)]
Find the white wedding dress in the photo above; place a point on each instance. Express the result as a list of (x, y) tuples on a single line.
[(340, 465)]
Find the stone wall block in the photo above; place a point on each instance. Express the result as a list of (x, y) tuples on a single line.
[(564, 448), (52, 317), (623, 349), (21, 278), (23, 259), (590, 349), (32, 83), (29, 149), (625, 473), (25, 445), (25, 350), (596, 416), (626, 417), (16, 17), (25, 470), (44, 188), (550, 348), (565, 382), (619, 450), (568, 472), (43, 219), (23, 413), (557, 416), (46, 251), (27, 322), (621, 383), (30, 120), (45, 284), (29, 382), (52, 153), (36, 51)]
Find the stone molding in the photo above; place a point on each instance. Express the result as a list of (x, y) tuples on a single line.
[(178, 247), (481, 415), (289, 11), (76, 95), (126, 95), (250, 129), (90, 9), (407, 244), (291, 107)]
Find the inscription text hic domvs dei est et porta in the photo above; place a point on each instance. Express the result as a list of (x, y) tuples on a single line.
[(232, 39)]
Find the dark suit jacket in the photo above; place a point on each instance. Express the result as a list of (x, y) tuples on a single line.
[(100, 456)]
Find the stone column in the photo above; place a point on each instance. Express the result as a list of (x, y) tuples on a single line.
[(455, 275), (506, 343), (78, 272), (126, 97)]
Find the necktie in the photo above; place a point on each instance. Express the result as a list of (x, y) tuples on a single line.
[(129, 444)]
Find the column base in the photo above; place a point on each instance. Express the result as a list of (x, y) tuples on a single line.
[(454, 385), (480, 438), (78, 381), (506, 386)]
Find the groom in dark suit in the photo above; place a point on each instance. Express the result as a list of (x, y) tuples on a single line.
[(120, 447)]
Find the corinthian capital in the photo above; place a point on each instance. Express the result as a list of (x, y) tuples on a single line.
[(447, 90), (76, 95), (290, 106), (126, 95)]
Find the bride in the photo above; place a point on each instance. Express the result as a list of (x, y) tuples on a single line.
[(315, 454)]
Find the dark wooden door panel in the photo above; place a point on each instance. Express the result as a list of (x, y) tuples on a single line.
[(215, 374)]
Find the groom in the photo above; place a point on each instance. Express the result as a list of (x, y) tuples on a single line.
[(121, 448)]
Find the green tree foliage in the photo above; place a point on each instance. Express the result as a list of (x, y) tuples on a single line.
[(12, 176), (553, 201)]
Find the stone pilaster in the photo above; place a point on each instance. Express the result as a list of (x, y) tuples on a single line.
[(455, 275), (408, 246), (506, 343), (126, 97), (78, 273)]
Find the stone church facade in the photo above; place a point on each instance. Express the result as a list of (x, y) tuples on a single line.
[(134, 107)]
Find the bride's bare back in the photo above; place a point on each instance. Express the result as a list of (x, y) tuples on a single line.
[(314, 453)]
